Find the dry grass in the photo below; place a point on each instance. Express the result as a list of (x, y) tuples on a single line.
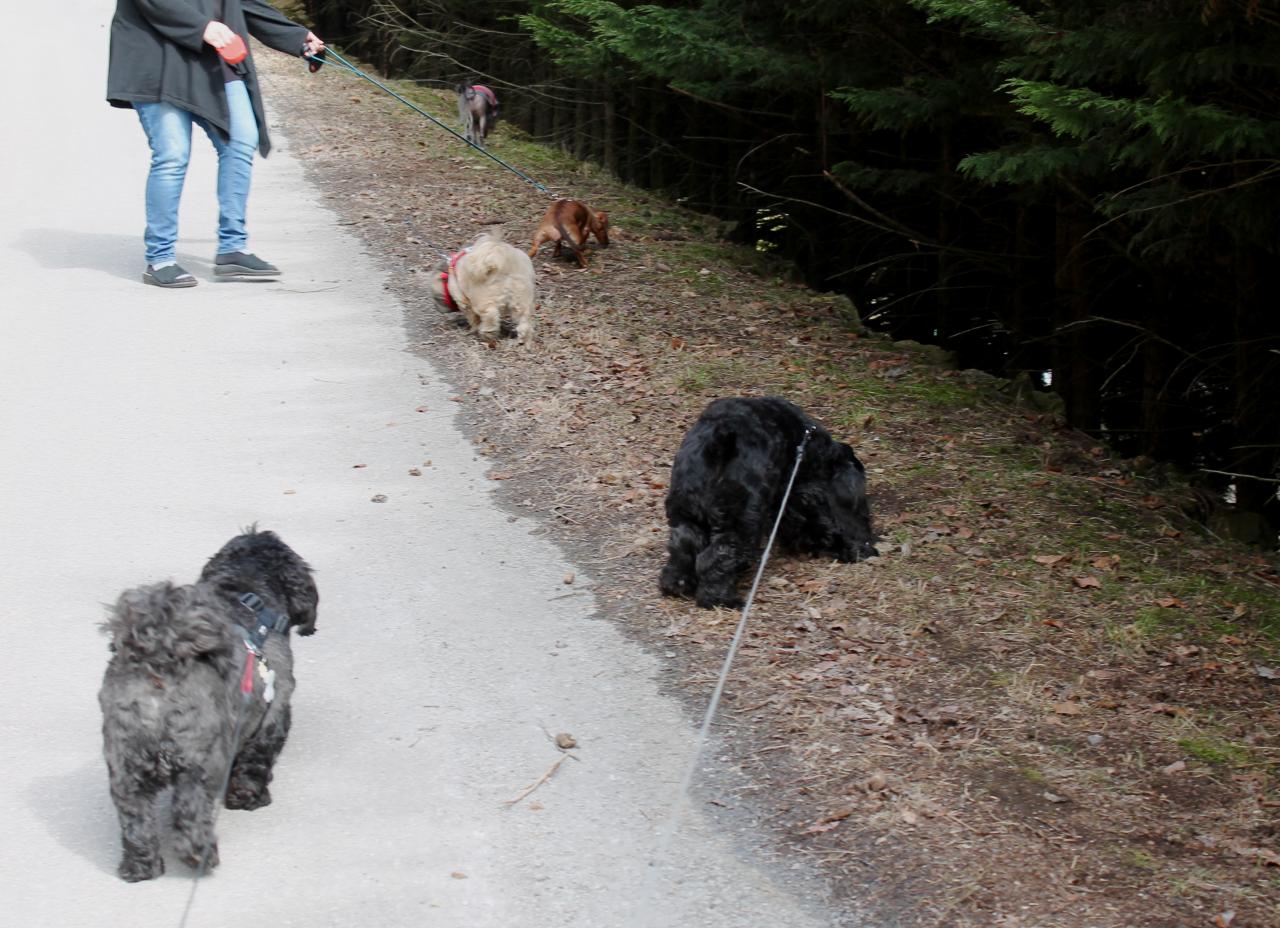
[(1040, 707)]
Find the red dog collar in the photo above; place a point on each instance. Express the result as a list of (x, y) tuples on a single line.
[(449, 302)]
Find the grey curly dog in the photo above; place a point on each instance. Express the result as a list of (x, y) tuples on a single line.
[(181, 680)]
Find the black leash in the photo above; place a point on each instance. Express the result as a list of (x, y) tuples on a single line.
[(315, 62)]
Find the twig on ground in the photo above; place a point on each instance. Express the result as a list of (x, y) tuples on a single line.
[(538, 782)]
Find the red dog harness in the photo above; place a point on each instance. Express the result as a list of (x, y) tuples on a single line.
[(449, 302), (489, 94)]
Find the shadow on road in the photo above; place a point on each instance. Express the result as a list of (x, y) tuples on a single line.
[(76, 809), (108, 252)]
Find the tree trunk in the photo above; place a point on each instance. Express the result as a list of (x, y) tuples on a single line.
[(610, 143), (1257, 384), (1075, 370)]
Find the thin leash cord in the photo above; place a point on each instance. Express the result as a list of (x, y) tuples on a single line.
[(348, 66), (222, 795), (648, 916)]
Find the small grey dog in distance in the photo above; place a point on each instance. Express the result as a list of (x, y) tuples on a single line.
[(182, 675), (477, 111)]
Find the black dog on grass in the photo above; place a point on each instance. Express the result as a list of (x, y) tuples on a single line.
[(727, 483), (173, 700)]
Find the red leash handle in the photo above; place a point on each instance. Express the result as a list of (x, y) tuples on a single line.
[(234, 51)]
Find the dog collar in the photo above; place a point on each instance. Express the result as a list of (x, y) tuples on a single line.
[(449, 302), (265, 621)]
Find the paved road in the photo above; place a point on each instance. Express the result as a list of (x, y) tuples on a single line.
[(141, 428)]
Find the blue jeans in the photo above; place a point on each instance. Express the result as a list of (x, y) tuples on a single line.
[(168, 130)]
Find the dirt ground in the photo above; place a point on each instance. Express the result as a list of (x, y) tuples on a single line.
[(1050, 702)]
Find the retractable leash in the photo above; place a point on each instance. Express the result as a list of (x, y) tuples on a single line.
[(646, 914), (339, 61), (265, 622), (246, 697), (234, 51)]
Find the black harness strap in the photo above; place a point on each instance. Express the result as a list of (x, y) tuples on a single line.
[(266, 621)]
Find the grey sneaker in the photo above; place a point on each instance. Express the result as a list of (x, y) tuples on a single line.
[(243, 264), (171, 276)]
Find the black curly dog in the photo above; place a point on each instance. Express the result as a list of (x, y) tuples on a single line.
[(171, 696), (727, 483)]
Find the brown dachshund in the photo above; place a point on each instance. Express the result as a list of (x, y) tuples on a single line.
[(569, 222)]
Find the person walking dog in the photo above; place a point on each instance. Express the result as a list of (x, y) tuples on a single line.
[(178, 62)]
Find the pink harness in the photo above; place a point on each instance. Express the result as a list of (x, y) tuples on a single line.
[(489, 94)]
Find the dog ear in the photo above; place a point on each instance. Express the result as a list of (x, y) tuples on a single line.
[(303, 596), (847, 455)]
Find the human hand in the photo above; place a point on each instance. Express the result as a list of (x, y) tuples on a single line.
[(313, 45), (217, 34)]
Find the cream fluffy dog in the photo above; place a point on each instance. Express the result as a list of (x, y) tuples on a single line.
[(487, 281)]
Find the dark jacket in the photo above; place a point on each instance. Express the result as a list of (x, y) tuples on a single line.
[(158, 54)]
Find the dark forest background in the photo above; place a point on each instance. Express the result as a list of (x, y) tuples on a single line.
[(1084, 191)]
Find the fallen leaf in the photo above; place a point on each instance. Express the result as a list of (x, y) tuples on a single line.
[(1086, 583), (909, 816), (821, 827), (458, 875), (1176, 767), (1224, 919), (378, 498), (414, 472), (1170, 602), (500, 475), (566, 741), (1067, 708), (1048, 560)]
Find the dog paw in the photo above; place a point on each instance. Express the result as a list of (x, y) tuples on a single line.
[(137, 869), (729, 602), (676, 582), (855, 553), (208, 857), (248, 799)]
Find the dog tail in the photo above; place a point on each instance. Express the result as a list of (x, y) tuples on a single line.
[(488, 261), (164, 625)]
